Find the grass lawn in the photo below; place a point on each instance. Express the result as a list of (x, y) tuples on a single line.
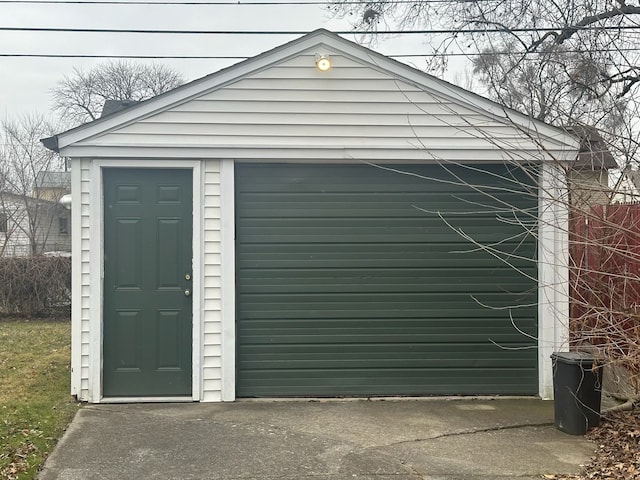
[(35, 404)]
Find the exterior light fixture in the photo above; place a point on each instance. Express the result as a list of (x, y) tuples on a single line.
[(323, 62), (65, 201)]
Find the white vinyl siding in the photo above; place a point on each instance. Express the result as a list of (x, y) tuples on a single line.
[(293, 111), (14, 239), (49, 236), (82, 235), (212, 351), (16, 231)]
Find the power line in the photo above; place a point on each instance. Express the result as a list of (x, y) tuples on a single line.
[(244, 57), (204, 2), (141, 57), (304, 32)]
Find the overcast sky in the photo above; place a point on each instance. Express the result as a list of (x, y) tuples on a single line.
[(26, 83)]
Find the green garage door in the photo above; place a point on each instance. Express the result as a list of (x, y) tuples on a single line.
[(357, 280)]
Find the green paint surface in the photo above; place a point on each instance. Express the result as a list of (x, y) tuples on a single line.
[(356, 280), (147, 253)]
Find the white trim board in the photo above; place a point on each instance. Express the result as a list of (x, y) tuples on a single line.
[(76, 277), (228, 276), (553, 273), (306, 153)]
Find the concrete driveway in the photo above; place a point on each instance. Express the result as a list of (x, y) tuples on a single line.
[(429, 439)]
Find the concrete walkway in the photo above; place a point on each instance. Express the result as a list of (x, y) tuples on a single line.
[(430, 439)]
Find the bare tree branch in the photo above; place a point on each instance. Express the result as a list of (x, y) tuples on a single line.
[(621, 11), (30, 217), (79, 97)]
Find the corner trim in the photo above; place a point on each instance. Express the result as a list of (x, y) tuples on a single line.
[(76, 277), (553, 272), (228, 280)]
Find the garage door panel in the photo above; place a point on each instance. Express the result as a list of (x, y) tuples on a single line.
[(390, 376), (378, 206), (383, 355), (390, 382), (377, 230), (382, 362), (317, 313), (346, 288), (501, 337), (337, 236), (412, 304), (396, 255), (387, 327), (391, 179), (374, 280)]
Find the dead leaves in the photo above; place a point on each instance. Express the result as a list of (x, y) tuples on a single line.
[(18, 460), (617, 455)]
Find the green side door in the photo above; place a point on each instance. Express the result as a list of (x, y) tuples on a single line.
[(147, 329), (356, 280)]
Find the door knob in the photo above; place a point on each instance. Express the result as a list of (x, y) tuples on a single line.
[(187, 293)]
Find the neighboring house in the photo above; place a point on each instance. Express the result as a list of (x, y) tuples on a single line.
[(51, 185), (30, 225), (588, 175), (628, 187), (277, 230), (14, 226)]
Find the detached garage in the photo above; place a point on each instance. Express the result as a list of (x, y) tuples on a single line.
[(275, 229)]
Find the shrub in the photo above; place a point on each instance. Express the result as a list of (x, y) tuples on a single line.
[(35, 286)]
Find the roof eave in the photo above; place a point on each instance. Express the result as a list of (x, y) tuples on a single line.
[(51, 143)]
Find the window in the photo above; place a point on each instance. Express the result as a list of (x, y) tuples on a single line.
[(3, 223), (63, 225)]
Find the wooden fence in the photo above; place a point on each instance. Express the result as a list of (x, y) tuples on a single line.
[(604, 247)]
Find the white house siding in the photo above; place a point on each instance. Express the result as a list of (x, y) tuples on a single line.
[(212, 319), (293, 111), (589, 187), (81, 258), (49, 236), (15, 241)]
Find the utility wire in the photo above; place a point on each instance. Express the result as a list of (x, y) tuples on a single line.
[(142, 57), (204, 2), (304, 32), (244, 57)]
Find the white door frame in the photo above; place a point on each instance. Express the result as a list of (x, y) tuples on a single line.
[(96, 276)]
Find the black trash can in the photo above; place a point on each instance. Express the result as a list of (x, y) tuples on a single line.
[(577, 390)]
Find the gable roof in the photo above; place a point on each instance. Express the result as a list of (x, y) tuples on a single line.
[(538, 132)]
